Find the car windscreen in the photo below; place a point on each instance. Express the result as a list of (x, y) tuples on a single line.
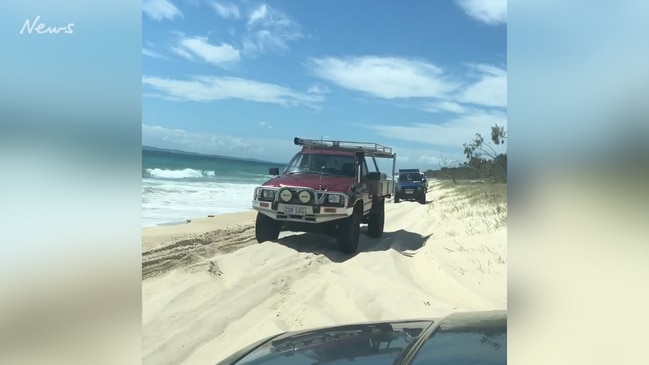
[(453, 347), (361, 345), (410, 177), (326, 164)]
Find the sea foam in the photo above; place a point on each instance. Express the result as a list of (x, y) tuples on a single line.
[(173, 201)]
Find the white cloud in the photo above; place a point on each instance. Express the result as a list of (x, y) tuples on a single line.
[(384, 77), (182, 52), (444, 106), (191, 141), (261, 41), (269, 30), (392, 78), (209, 88), (277, 150), (226, 10), (199, 47), (421, 158), (265, 125), (149, 53), (258, 14), (318, 89), (489, 90), (160, 9), (453, 133), (491, 12)]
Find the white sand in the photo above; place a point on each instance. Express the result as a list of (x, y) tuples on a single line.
[(211, 289)]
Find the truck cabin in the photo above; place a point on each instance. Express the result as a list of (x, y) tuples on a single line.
[(325, 162), (410, 177), (339, 158)]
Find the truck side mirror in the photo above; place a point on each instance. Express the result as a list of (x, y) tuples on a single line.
[(273, 171)]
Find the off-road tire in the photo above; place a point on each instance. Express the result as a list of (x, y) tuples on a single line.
[(349, 233), (376, 220), (396, 198), (266, 229), (422, 199)]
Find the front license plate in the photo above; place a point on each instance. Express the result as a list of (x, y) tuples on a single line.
[(409, 191), (294, 210)]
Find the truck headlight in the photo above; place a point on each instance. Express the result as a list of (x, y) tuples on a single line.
[(334, 198), (268, 194)]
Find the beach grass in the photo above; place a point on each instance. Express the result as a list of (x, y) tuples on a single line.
[(482, 204)]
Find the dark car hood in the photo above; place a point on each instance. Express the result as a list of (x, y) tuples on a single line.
[(482, 334), (329, 183)]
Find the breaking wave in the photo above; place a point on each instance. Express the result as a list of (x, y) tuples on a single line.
[(178, 174)]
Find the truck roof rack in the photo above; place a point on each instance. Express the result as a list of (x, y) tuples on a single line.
[(369, 148), (408, 170)]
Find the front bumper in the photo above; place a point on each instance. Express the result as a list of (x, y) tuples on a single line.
[(410, 193), (301, 213)]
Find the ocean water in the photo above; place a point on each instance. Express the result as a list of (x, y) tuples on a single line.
[(177, 186)]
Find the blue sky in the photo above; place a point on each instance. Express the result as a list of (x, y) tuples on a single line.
[(242, 78)]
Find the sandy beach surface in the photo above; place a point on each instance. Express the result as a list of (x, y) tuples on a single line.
[(209, 288)]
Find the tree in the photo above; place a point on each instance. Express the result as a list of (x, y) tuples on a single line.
[(483, 156), (498, 134), (447, 168)]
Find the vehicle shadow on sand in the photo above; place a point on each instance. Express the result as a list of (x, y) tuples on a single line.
[(402, 241), (319, 244), (428, 201)]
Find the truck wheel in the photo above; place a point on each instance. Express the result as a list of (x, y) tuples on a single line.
[(396, 198), (377, 220), (266, 229), (422, 198), (348, 233)]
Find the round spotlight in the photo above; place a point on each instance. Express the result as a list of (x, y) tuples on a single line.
[(285, 195), (304, 196)]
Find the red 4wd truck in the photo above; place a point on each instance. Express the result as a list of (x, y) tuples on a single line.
[(329, 187)]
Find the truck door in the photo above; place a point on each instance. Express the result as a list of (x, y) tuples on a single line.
[(366, 191)]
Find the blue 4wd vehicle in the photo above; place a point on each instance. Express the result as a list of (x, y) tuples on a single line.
[(411, 185)]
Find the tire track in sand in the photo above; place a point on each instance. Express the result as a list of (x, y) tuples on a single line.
[(196, 250)]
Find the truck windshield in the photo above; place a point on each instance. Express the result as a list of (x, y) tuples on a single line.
[(410, 177), (304, 163)]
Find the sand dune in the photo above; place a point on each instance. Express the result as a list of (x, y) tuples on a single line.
[(209, 288)]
